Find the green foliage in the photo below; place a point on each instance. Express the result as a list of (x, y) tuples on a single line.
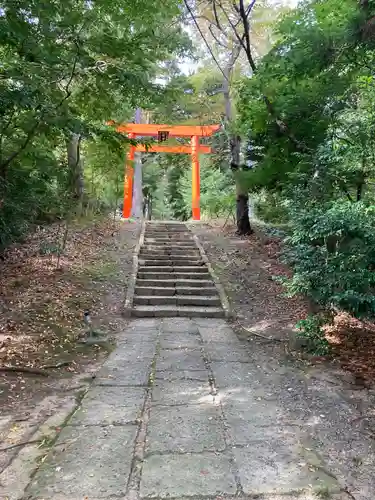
[(67, 68), (310, 77), (168, 178), (50, 249), (196, 99), (217, 190), (104, 174), (268, 207), (156, 185), (193, 100), (310, 329), (177, 168), (309, 109), (332, 253)]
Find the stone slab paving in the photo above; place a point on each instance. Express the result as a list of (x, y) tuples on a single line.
[(200, 475), (118, 372), (177, 359), (179, 410), (110, 406), (185, 429), (94, 461)]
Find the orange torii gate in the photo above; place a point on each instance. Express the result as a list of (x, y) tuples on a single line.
[(163, 132)]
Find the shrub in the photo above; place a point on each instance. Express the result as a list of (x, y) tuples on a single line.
[(332, 253), (311, 330), (268, 207)]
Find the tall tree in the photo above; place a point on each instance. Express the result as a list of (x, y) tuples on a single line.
[(226, 30)]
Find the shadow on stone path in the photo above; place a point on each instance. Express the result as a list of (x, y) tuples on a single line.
[(182, 409)]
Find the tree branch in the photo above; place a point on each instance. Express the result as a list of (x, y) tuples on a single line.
[(283, 127), (348, 195), (226, 84), (23, 443), (245, 22), (24, 369), (217, 40), (245, 43), (30, 134), (203, 37), (237, 35), (8, 122), (250, 7), (217, 17), (344, 139)]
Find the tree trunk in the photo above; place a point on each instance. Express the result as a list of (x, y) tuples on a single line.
[(242, 197), (75, 166), (242, 212)]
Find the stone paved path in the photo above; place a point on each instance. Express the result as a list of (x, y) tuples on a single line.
[(182, 409)]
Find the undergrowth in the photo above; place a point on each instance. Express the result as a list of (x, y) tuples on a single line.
[(311, 329)]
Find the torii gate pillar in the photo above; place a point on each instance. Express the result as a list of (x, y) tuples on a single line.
[(128, 181), (195, 185)]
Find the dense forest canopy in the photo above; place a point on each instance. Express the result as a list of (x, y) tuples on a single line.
[(292, 87), (66, 69)]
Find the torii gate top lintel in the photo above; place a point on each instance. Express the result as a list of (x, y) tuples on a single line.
[(152, 129), (194, 149)]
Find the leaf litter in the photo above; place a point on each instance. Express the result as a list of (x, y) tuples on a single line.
[(43, 296)]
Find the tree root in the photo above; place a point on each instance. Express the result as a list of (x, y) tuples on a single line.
[(256, 334), (34, 371), (24, 369)]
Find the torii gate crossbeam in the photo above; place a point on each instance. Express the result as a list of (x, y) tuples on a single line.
[(153, 130)]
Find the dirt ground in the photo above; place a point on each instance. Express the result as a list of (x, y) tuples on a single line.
[(42, 303), (247, 267)]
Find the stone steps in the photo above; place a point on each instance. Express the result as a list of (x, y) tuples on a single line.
[(160, 242), (167, 245), (173, 279), (171, 311), (178, 300), (169, 256), (159, 228), (144, 275), (174, 283), (174, 264), (175, 290), (169, 234), (194, 269), (170, 250), (195, 259), (168, 253)]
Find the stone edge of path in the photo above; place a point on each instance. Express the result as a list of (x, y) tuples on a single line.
[(128, 304), (16, 476), (219, 287)]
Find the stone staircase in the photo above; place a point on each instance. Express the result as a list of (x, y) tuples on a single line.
[(172, 278)]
